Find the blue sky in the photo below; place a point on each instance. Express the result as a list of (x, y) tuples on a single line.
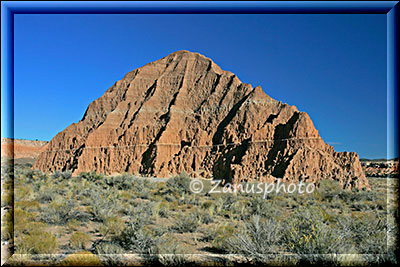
[(331, 66)]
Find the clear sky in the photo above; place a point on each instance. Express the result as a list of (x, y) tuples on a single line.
[(331, 66)]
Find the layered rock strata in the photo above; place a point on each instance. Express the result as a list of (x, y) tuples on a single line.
[(183, 113)]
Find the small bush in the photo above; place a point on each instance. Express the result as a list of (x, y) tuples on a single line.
[(56, 174), (141, 188), (121, 182), (161, 209), (207, 217), (186, 224), (178, 184), (79, 240), (80, 215), (207, 204), (368, 233), (135, 239), (224, 204), (6, 219), (108, 248), (38, 243), (33, 175), (259, 206), (33, 228), (92, 176), (258, 238), (58, 212), (308, 233), (103, 204), (204, 216), (112, 225), (219, 236), (170, 253), (66, 175), (47, 195), (73, 225)]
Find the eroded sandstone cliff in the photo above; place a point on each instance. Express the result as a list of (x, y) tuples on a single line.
[(183, 113)]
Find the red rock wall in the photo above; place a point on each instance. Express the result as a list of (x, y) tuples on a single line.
[(183, 113)]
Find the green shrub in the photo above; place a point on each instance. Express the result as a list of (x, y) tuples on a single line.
[(108, 248), (219, 236), (207, 217), (204, 216), (368, 233), (33, 228), (58, 212), (6, 226), (170, 253), (6, 218), (80, 215), (140, 211), (32, 175), (308, 233), (179, 184), (103, 205), (112, 225), (186, 224), (92, 176), (79, 240), (157, 230), (46, 195), (121, 182), (161, 209), (189, 199), (259, 206), (258, 238), (66, 174), (226, 201), (73, 225), (135, 239), (56, 174), (207, 204)]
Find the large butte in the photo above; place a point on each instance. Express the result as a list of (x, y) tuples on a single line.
[(183, 113)]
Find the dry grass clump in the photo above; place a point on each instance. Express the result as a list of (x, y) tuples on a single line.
[(38, 242), (82, 258)]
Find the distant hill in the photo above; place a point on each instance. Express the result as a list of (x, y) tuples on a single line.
[(21, 148), (381, 167), (382, 159)]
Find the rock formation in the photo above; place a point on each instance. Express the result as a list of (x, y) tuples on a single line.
[(182, 113)]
